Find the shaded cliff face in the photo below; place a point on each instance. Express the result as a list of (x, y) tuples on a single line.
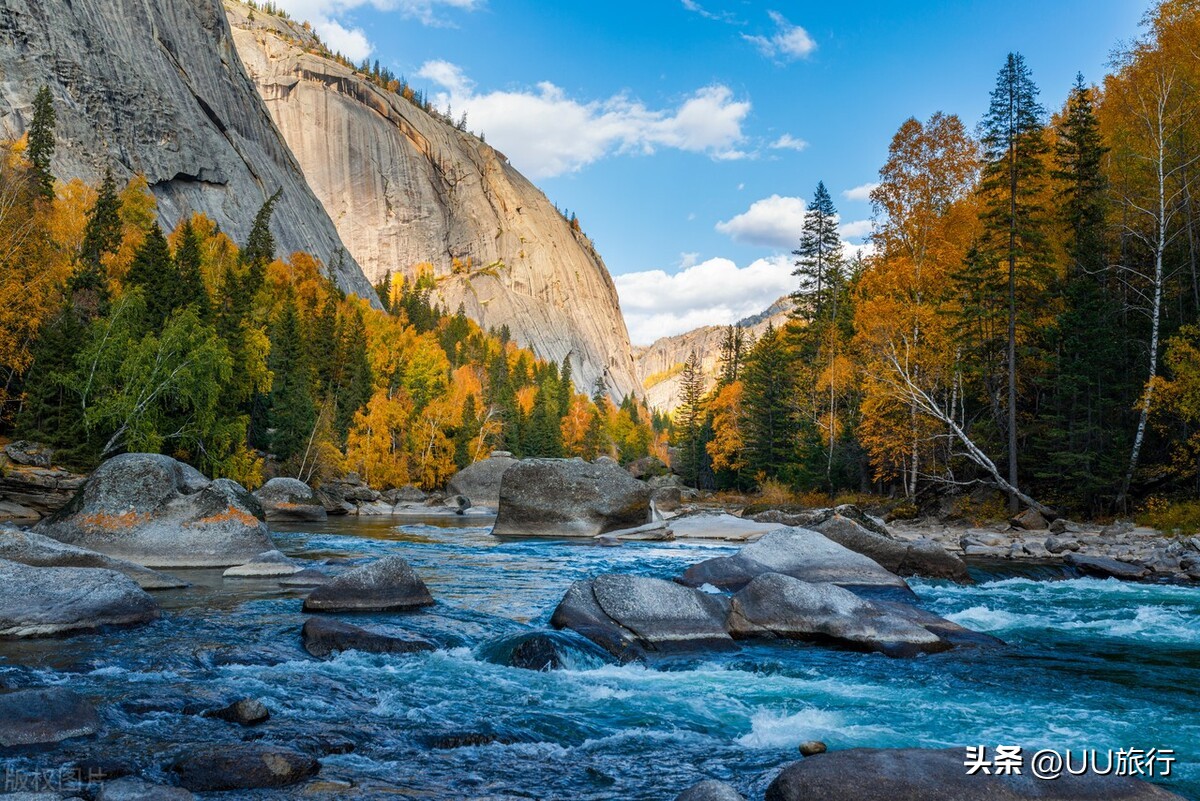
[(156, 88), (405, 188), (660, 365)]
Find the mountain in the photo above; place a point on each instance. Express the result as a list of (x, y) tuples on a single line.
[(157, 88), (659, 366), (407, 188)]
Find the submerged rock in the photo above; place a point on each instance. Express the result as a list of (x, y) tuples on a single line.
[(155, 511), (244, 712), (920, 774), (45, 715), (308, 577), (1105, 567), (43, 601), (323, 637), (242, 766), (36, 550), (812, 748), (480, 482), (265, 565), (132, 789), (710, 790), (290, 499), (781, 606), (569, 498), (387, 584)]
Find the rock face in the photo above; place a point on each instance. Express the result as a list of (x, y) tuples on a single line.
[(796, 552), (387, 584), (480, 482), (569, 498), (323, 637), (35, 550), (44, 601), (406, 188), (157, 89), (41, 716), (243, 766), (290, 499), (781, 606), (918, 774), (660, 365), (632, 616), (155, 511), (30, 492)]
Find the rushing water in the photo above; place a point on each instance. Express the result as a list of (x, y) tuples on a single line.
[(1090, 664)]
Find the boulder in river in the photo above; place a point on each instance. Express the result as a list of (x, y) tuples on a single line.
[(569, 498), (36, 550), (1105, 567), (290, 499), (266, 565), (480, 482), (44, 601), (323, 637), (919, 774), (385, 585), (775, 605), (634, 616), (244, 712), (45, 715), (156, 511), (710, 790), (799, 553), (242, 766), (133, 789)]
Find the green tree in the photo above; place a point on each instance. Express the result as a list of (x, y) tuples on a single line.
[(41, 141), (770, 429), (689, 421), (154, 272), (818, 258), (291, 412), (189, 287)]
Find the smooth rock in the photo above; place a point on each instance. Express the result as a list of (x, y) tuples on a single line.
[(1105, 567), (45, 715), (812, 748), (44, 601), (1030, 520), (308, 577), (480, 482), (290, 499), (133, 789), (707, 525), (919, 774), (36, 550), (1058, 545), (569, 498), (777, 605), (242, 766), (265, 565), (387, 584), (920, 558), (710, 790), (29, 454), (323, 637), (538, 652), (244, 712), (155, 511)]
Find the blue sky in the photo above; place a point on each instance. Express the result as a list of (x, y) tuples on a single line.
[(687, 134)]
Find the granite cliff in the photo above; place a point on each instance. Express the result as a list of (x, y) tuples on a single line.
[(157, 88), (406, 189)]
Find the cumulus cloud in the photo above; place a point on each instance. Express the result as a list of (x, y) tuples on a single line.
[(854, 229), (788, 142), (713, 292), (327, 20), (788, 42), (860, 192), (774, 221), (544, 132)]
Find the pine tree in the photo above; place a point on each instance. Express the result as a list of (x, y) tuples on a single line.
[(566, 389), (191, 292), (88, 285), (770, 429), (818, 258), (291, 412), (733, 346), (464, 433), (259, 250), (689, 421), (153, 271), (41, 141)]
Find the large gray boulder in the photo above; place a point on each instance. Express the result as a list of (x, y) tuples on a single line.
[(710, 790), (385, 585), (44, 601), (323, 637), (156, 511), (633, 616), (242, 766), (290, 499), (36, 550), (45, 715), (774, 605), (569, 498), (919, 774), (799, 553), (480, 482), (1105, 567)]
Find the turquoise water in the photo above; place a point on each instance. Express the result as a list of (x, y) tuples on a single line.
[(1090, 664)]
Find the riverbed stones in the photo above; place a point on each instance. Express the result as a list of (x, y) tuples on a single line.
[(242, 766), (919, 774), (569, 498), (799, 553), (385, 585), (812, 748), (1104, 567), (322, 637), (290, 499), (480, 482), (243, 712), (134, 789), (266, 565), (45, 715), (155, 511), (36, 550), (774, 605), (710, 790), (45, 601), (1029, 520)]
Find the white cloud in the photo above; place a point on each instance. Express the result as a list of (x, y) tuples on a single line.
[(771, 222), (327, 20), (713, 292), (855, 229), (788, 142), (546, 133), (861, 192), (788, 43)]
